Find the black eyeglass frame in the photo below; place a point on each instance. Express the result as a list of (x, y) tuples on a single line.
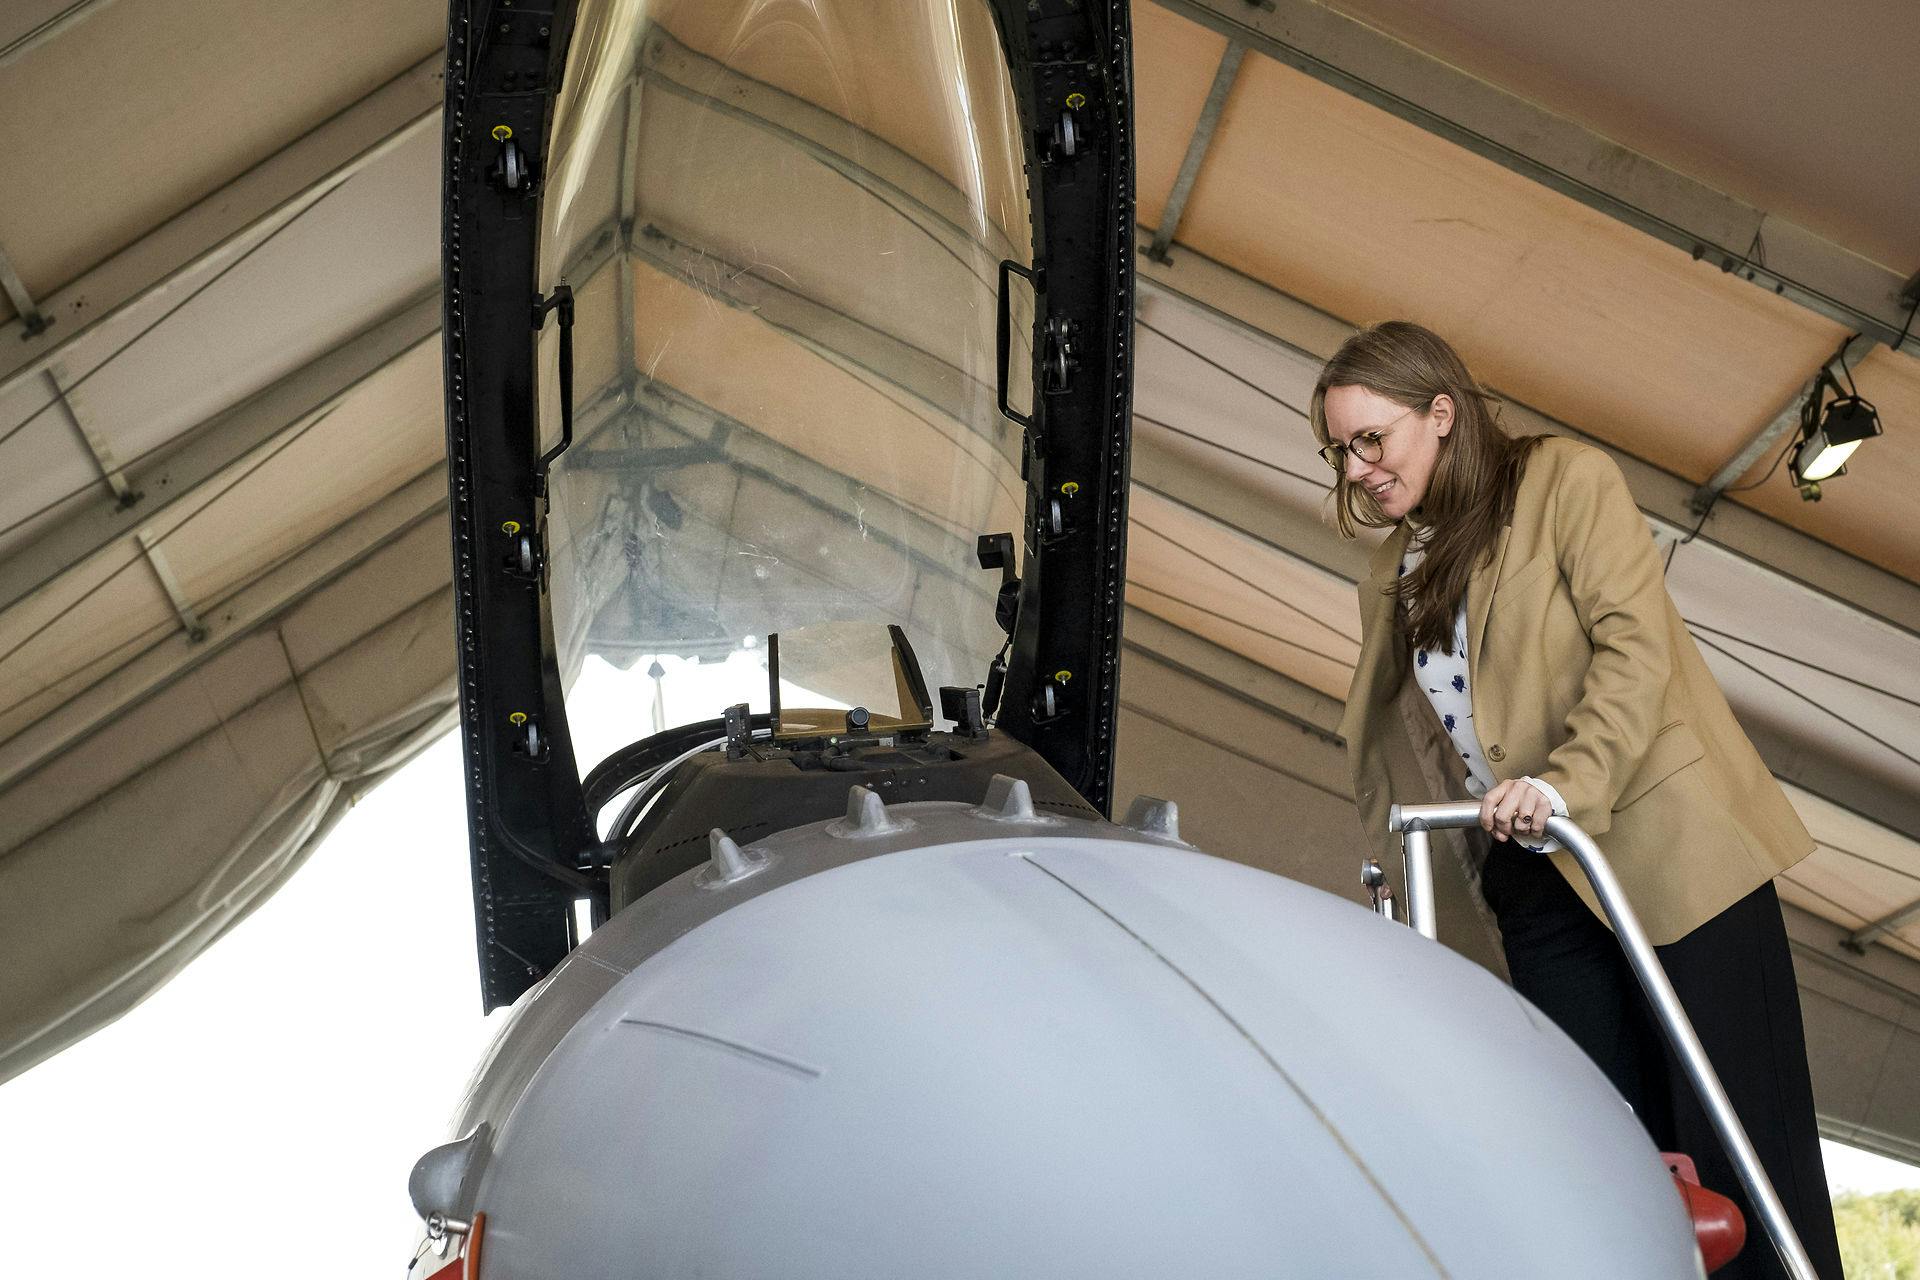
[(1334, 455)]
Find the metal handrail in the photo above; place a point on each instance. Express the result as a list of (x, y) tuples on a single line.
[(1413, 821)]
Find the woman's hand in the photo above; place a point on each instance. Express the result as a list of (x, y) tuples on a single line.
[(1514, 807)]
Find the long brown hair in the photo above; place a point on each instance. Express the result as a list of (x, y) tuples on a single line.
[(1470, 495)]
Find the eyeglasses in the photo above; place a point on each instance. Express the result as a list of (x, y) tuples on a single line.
[(1366, 446)]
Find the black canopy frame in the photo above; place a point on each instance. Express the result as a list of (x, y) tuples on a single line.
[(534, 846)]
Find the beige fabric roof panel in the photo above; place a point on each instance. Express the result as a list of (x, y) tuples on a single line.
[(396, 426), (1857, 870), (1242, 596), (182, 96), (1810, 668), (1367, 217), (1791, 107), (267, 504), (315, 283), (157, 371)]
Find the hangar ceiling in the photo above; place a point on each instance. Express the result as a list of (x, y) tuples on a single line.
[(223, 564)]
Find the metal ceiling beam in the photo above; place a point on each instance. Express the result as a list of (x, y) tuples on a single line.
[(31, 319), (1757, 447), (626, 311), (224, 222), (1859, 938), (1176, 206), (206, 450), (183, 609), (38, 34), (1569, 158), (111, 472), (124, 496), (1777, 429), (1266, 313)]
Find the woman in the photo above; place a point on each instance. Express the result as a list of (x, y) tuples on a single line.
[(1517, 618)]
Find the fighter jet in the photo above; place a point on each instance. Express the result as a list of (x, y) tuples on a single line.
[(788, 355)]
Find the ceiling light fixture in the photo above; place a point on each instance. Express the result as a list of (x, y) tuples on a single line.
[(1830, 433)]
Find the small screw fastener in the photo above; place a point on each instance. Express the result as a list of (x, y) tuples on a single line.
[(440, 1226)]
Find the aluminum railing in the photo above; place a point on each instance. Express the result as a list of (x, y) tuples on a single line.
[(1413, 822)]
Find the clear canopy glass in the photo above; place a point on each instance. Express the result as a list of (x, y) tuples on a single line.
[(783, 225)]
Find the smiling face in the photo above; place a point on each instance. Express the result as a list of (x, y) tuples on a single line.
[(1409, 444)]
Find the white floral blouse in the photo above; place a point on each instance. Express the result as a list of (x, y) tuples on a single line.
[(1445, 680)]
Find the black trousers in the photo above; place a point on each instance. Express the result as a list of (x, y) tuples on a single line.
[(1735, 978)]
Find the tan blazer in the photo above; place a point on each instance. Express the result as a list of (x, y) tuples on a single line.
[(1584, 676)]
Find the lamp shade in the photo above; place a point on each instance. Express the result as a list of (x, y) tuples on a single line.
[(1825, 450)]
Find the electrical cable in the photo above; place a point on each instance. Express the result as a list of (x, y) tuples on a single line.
[(1840, 358), (1228, 449), (62, 392), (1691, 535), (1265, 762), (141, 554), (1235, 374), (1860, 729), (647, 784), (1279, 600), (1850, 853), (1906, 328), (1803, 662), (1803, 887), (621, 769), (1692, 625), (171, 626), (1872, 862), (622, 823), (1793, 438), (1342, 663), (123, 465)]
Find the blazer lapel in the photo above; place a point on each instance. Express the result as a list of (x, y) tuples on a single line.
[(1375, 669), (1480, 596)]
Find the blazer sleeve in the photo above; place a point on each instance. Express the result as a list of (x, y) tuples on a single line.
[(1606, 556)]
